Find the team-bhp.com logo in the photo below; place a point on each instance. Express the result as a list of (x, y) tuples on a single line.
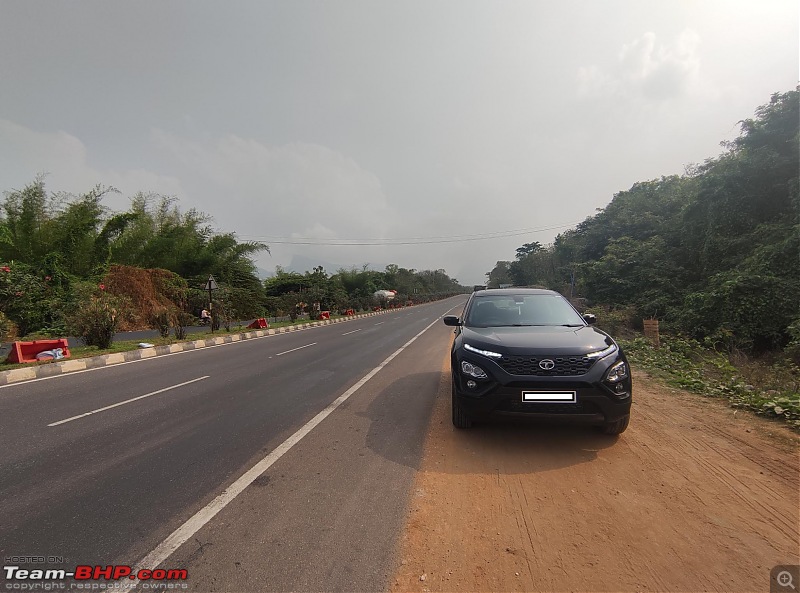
[(84, 572)]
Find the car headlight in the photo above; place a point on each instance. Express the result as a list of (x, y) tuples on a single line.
[(473, 370), (488, 353), (617, 372), (603, 353)]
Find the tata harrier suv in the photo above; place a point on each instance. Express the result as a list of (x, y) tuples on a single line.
[(528, 352)]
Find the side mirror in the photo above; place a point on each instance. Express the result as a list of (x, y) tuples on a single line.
[(451, 320), (590, 318)]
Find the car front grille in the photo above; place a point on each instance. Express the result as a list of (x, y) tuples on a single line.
[(564, 366)]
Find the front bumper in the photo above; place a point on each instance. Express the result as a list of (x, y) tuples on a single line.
[(501, 394)]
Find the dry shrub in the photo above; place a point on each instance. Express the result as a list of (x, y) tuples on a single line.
[(620, 322), (8, 329), (150, 293)]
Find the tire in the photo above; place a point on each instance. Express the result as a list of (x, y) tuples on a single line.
[(460, 417), (618, 426)]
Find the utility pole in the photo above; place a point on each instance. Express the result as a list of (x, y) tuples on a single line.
[(211, 285)]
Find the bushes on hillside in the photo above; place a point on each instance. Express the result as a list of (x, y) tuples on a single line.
[(97, 315)]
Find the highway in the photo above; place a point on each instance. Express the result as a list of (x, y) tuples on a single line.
[(101, 467)]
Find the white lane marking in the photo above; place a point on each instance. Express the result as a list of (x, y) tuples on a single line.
[(182, 534), (352, 332), (380, 322), (127, 401), (298, 348)]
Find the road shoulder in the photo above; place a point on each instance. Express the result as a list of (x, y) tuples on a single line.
[(692, 497)]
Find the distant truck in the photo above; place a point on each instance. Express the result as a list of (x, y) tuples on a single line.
[(384, 295), (478, 287)]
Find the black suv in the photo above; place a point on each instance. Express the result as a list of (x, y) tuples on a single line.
[(528, 352)]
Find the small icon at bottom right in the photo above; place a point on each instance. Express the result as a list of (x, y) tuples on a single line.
[(784, 578)]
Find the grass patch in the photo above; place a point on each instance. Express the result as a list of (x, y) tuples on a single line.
[(767, 387)]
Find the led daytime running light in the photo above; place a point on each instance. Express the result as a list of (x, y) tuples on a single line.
[(602, 353), (488, 353)]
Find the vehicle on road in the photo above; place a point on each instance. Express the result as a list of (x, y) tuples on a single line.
[(529, 353)]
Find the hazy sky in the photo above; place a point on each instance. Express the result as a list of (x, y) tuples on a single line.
[(346, 120)]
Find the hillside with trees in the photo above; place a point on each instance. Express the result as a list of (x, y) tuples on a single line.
[(714, 253)]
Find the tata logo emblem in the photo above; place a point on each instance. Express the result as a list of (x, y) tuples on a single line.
[(547, 364)]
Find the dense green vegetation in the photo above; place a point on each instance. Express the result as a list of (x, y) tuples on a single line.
[(354, 288), (69, 265), (769, 391), (714, 253)]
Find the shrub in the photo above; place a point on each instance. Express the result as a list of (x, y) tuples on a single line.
[(30, 300), (160, 320), (149, 291), (792, 350), (97, 316), (619, 322), (180, 319), (7, 328), (686, 364)]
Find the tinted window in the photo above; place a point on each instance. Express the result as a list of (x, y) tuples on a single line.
[(528, 309)]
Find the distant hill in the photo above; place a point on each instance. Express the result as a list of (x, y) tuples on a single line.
[(263, 274)]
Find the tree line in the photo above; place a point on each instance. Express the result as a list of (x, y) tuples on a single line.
[(713, 253), (64, 256)]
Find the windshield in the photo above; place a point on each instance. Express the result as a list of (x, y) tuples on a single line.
[(522, 310)]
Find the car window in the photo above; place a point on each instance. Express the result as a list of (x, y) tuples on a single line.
[(527, 310)]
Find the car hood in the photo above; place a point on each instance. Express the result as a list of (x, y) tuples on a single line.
[(537, 340)]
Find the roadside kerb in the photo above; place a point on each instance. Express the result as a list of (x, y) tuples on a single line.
[(82, 364)]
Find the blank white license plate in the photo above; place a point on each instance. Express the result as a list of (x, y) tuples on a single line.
[(550, 397)]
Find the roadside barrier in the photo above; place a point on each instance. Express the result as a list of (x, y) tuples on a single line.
[(28, 351)]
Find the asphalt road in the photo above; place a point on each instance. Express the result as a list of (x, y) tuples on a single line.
[(93, 480)]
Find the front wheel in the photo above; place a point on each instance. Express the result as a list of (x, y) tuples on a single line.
[(618, 426), (460, 417)]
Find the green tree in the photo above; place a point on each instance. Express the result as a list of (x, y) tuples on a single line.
[(499, 275), (713, 253)]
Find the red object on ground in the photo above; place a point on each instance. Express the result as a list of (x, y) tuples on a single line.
[(27, 351), (324, 314), (259, 323), (349, 312)]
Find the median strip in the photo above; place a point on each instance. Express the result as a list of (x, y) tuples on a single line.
[(58, 369)]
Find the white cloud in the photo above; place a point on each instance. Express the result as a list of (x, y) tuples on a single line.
[(26, 153), (646, 67), (661, 71), (316, 231), (294, 190), (293, 186)]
